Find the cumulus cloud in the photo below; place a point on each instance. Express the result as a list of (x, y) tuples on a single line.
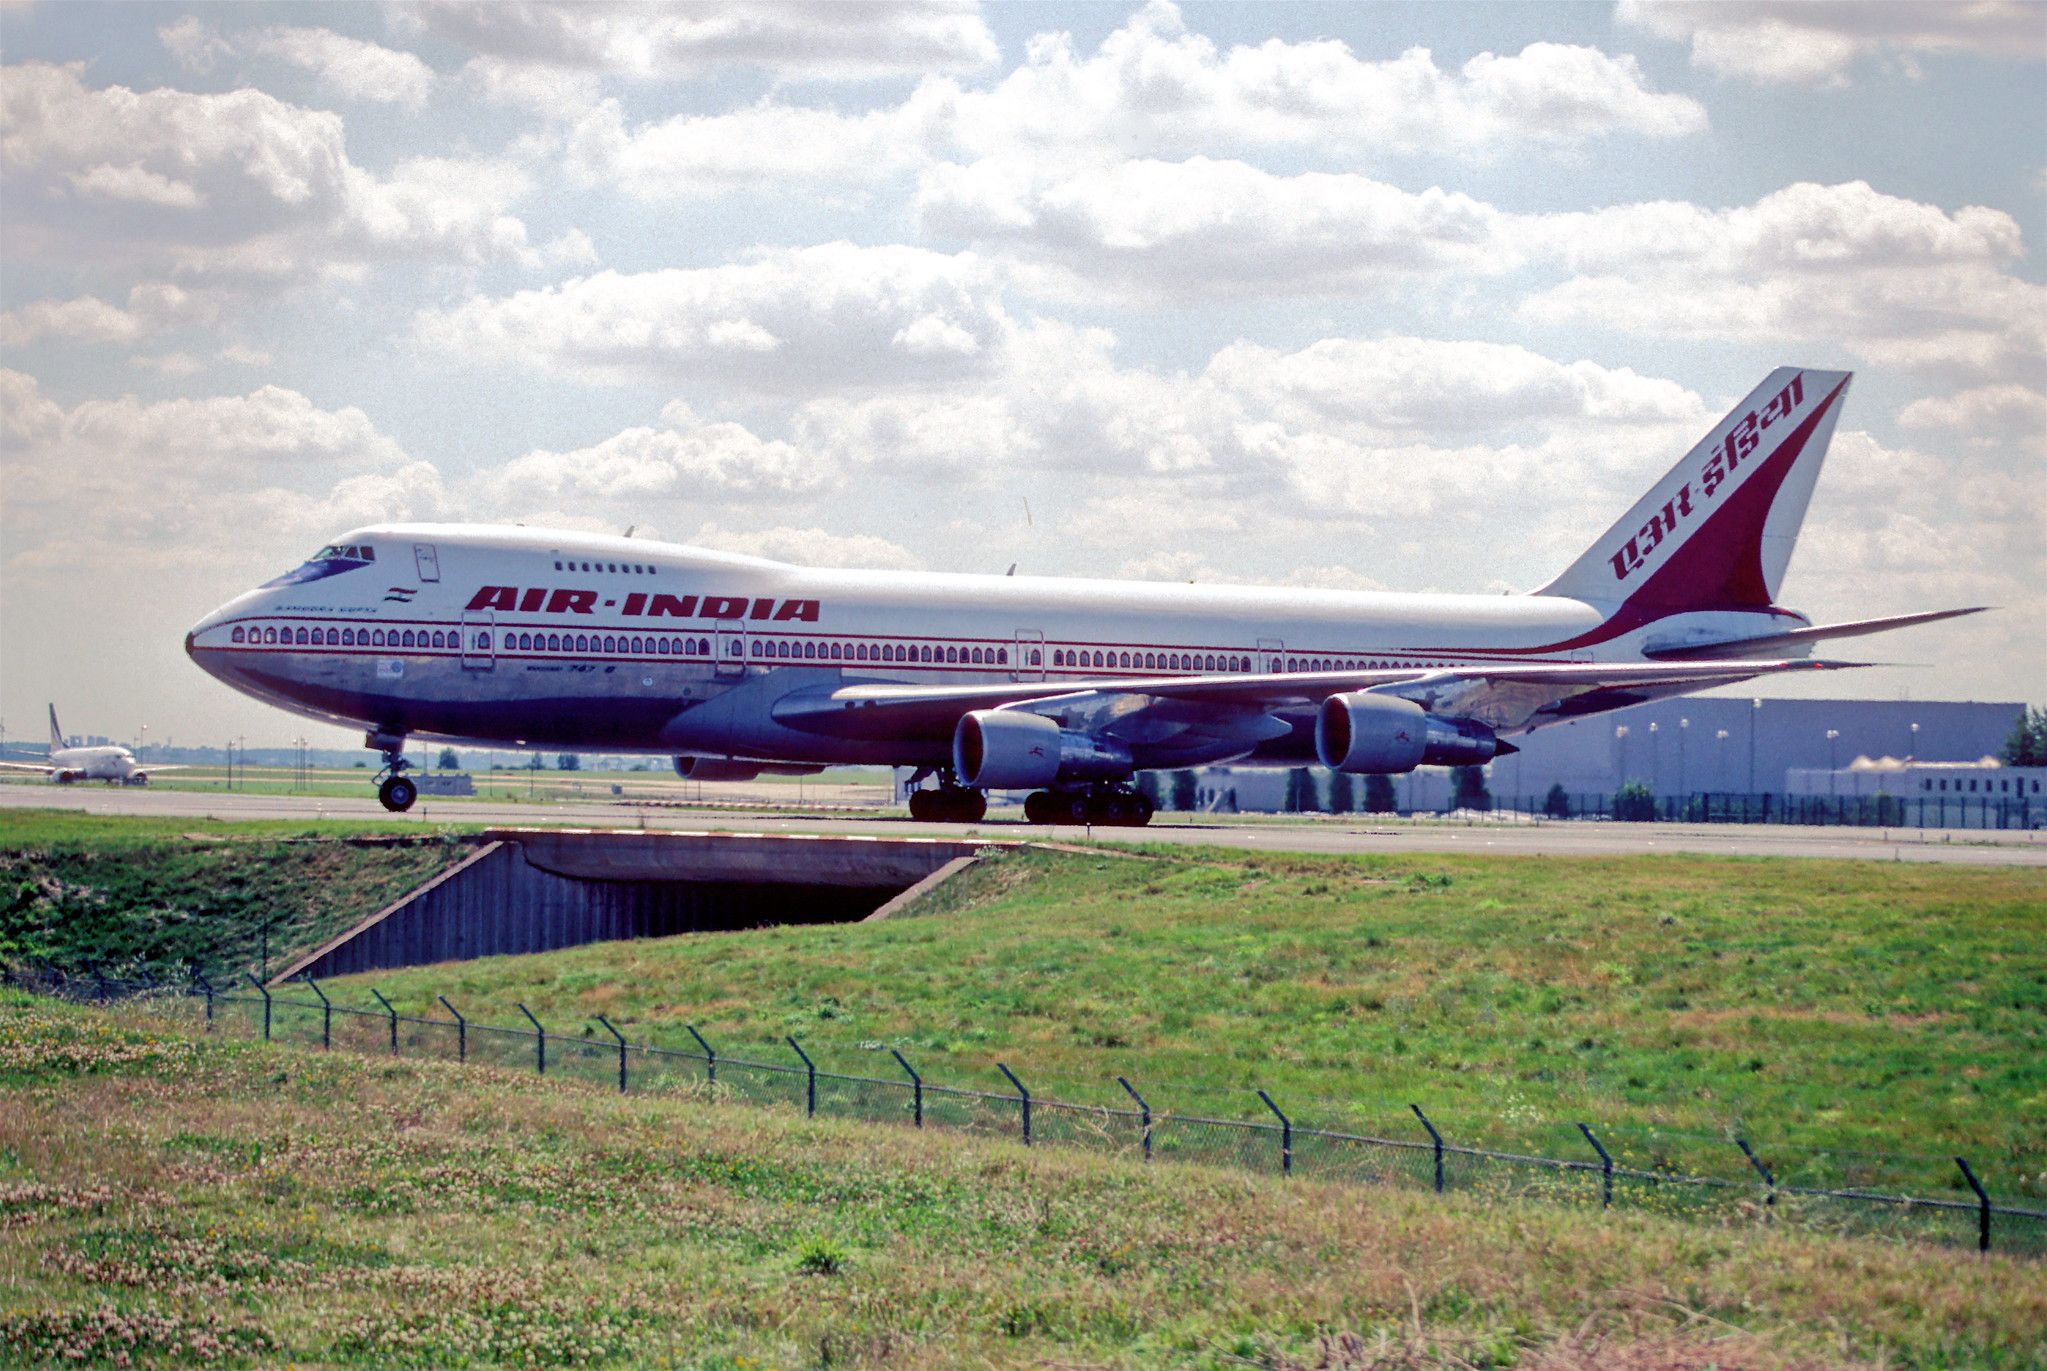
[(1200, 228), (684, 459), (1806, 43), (696, 155), (809, 547), (808, 319), (1154, 88), (1985, 413), (238, 183), (1895, 281), (349, 67), (149, 481), (820, 38)]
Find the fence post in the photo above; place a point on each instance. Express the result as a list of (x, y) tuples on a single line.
[(1143, 1113), (1286, 1136), (621, 1051), (326, 1014), (1436, 1139), (264, 991), (1605, 1168), (1023, 1095), (1982, 1206), (206, 989), (710, 1057), (461, 1029), (394, 1017), (809, 1079), (1761, 1170), (539, 1042), (916, 1084)]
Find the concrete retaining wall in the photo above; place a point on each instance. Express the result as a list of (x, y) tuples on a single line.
[(535, 890)]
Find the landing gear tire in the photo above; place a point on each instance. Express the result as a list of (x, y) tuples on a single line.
[(948, 805), (397, 793), (1108, 807)]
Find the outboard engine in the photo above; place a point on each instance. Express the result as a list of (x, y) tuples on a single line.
[(1004, 749), (1382, 734), (692, 768)]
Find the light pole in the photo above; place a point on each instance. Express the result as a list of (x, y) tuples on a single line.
[(1832, 765), (1755, 708), (1655, 762), (1912, 747), (1684, 726), (242, 751), (1620, 741), (141, 741), (1720, 754)]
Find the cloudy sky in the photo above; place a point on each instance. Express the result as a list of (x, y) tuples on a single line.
[(1414, 297)]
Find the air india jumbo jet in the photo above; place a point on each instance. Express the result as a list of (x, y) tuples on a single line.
[(737, 666)]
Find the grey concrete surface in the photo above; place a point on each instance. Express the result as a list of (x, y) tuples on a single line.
[(1361, 833)]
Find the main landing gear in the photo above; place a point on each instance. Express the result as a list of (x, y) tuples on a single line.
[(395, 790), (1102, 806)]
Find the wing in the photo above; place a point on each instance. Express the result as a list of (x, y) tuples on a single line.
[(1507, 698), (1771, 644), (27, 766)]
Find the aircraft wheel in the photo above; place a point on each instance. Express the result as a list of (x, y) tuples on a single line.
[(1041, 807), (397, 794), (925, 807), (969, 807), (1140, 810), (1079, 807), (1114, 809)]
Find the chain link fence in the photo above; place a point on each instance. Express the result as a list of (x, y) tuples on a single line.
[(1633, 1167)]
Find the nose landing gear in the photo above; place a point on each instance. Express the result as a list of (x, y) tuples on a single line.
[(1103, 806), (395, 790)]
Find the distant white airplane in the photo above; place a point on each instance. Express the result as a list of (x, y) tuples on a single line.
[(115, 765), (738, 666)]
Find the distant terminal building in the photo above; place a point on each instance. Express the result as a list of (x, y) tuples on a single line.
[(1979, 794), (1696, 745)]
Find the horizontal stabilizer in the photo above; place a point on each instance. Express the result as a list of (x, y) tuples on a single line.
[(1774, 644)]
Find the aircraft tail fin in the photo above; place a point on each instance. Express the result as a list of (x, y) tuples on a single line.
[(56, 733), (1717, 531)]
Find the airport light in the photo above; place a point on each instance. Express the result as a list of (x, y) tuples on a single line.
[(1655, 758), (1912, 747), (1832, 765), (1684, 726), (1755, 708)]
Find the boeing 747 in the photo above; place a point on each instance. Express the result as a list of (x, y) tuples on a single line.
[(737, 666)]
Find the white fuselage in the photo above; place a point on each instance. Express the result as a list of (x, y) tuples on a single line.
[(69, 764), (547, 638)]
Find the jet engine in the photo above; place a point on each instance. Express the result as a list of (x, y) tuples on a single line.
[(692, 768), (1003, 749), (1381, 734)]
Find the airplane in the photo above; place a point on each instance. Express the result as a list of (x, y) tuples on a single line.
[(113, 764), (738, 666)]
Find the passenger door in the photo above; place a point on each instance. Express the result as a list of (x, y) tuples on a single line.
[(1271, 655), (479, 640), (427, 560), (728, 647), (1029, 662)]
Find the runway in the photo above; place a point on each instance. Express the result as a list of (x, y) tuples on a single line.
[(1353, 834)]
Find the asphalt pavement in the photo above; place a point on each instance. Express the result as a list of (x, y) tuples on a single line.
[(1363, 833)]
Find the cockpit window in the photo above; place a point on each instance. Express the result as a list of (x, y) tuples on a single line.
[(331, 560)]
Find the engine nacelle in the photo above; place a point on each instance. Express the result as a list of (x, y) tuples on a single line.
[(692, 768), (1383, 735), (1003, 749)]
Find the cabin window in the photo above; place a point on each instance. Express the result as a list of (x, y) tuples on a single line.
[(483, 641), (952, 654), (763, 649), (237, 636), (838, 652), (269, 635), (859, 652), (333, 637)]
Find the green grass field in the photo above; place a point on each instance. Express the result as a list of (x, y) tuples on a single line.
[(160, 894), (169, 1200), (1825, 1010)]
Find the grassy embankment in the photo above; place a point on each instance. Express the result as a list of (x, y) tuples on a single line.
[(1813, 1006), (863, 785), (178, 1200), (162, 893)]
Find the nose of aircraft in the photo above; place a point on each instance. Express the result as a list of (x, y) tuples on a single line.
[(206, 642)]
